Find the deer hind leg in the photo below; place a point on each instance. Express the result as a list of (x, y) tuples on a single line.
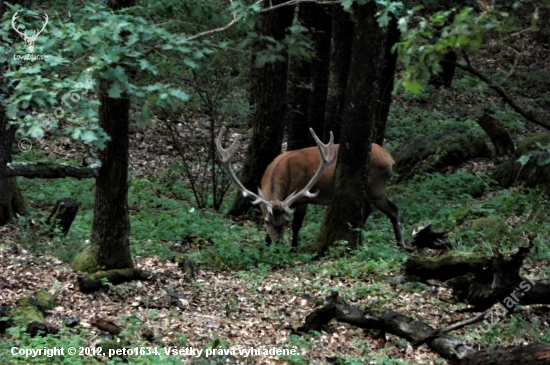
[(366, 212), (299, 214), (392, 212)]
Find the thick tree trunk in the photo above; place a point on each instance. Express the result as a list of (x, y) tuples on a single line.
[(299, 78), (340, 58), (11, 200), (349, 206), (321, 35), (110, 245), (386, 85), (269, 108), (307, 106), (296, 117)]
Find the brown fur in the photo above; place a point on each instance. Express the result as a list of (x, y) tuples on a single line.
[(291, 172)]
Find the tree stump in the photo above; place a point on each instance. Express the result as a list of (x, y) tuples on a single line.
[(498, 135), (63, 215)]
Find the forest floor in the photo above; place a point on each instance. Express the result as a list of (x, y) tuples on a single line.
[(253, 308)]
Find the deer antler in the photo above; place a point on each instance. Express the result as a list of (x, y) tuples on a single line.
[(44, 26), (328, 155), (225, 161), (13, 24)]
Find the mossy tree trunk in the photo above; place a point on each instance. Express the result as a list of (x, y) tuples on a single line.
[(349, 206), (110, 244), (269, 101), (340, 58)]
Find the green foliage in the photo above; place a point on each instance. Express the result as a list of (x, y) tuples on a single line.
[(118, 50), (538, 152), (67, 339), (426, 38)]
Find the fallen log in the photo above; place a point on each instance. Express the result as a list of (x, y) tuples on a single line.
[(481, 280), (453, 349)]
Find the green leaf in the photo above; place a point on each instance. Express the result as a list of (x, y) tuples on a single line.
[(146, 65), (524, 159), (177, 93), (76, 133), (346, 4), (412, 86), (88, 137), (115, 90), (144, 116), (189, 62)]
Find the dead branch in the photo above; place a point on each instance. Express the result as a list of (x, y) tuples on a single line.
[(526, 114)]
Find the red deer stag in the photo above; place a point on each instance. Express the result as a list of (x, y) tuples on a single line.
[(287, 183)]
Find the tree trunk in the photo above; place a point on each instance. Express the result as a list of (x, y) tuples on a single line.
[(269, 108), (388, 76), (445, 77), (110, 244), (299, 75), (349, 204), (321, 35), (307, 106), (340, 57), (11, 200)]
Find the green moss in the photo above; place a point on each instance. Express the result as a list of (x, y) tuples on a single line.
[(85, 261), (529, 144), (24, 315), (458, 148), (493, 228), (44, 300), (436, 153), (535, 172)]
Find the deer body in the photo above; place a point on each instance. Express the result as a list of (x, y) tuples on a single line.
[(288, 181)]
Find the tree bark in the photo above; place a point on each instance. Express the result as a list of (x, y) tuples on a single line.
[(299, 74), (500, 139), (110, 243), (349, 206), (321, 35), (340, 58), (445, 77), (269, 108), (45, 170), (11, 200), (308, 103), (63, 214), (386, 85)]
